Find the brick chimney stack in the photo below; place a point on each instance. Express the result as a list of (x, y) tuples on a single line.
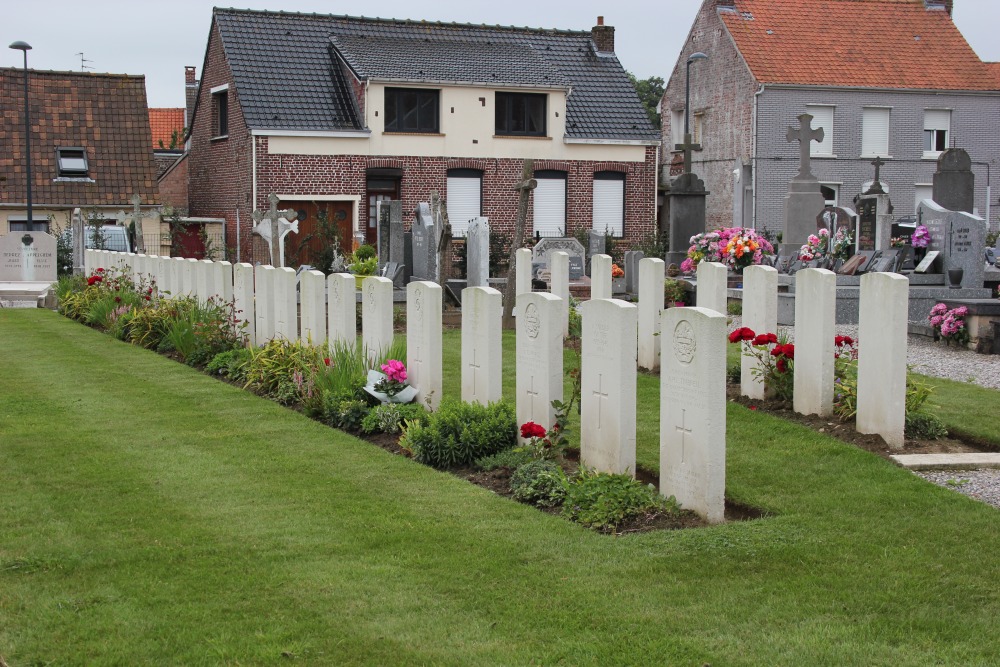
[(603, 36), (191, 94)]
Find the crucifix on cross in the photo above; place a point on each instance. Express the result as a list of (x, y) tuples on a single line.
[(273, 226), (805, 135)]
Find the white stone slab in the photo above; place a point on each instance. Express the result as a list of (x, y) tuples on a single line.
[(204, 280), (956, 461), (559, 286), (651, 295), (189, 278), (815, 318), (243, 300), (712, 286), (223, 280), (482, 360), (600, 277), (760, 313), (312, 300), (539, 364), (264, 302), (608, 385), (882, 335), (342, 312), (286, 310), (522, 259), (28, 257), (376, 316), (423, 341), (693, 410)]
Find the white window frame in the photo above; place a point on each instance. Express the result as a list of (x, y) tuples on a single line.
[(609, 212), (936, 120), (697, 127), (875, 127), (462, 189), (549, 218), (917, 198), (836, 193), (824, 116), (676, 128)]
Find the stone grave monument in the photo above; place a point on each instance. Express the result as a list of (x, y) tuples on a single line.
[(954, 182), (874, 215), (477, 253), (960, 238), (27, 268), (541, 255), (275, 224), (687, 206), (424, 244), (596, 246), (804, 197)]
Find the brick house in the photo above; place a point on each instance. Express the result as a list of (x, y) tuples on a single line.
[(888, 78), (348, 111), (90, 147)]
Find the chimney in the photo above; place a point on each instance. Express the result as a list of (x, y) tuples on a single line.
[(946, 5), (191, 94), (603, 36)]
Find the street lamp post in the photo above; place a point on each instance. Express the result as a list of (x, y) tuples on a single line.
[(24, 47), (688, 145)]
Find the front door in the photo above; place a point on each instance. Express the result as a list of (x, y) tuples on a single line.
[(379, 190), (321, 225)]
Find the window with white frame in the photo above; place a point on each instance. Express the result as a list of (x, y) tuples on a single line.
[(609, 203), (676, 127), (875, 132), (831, 193), (822, 118), (697, 124), (937, 127), (922, 191), (550, 203), (465, 198)]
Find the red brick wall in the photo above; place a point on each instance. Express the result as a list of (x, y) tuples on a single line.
[(345, 174), (220, 170), (174, 186)]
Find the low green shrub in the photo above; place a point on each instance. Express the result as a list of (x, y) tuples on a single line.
[(734, 373), (271, 369), (508, 458), (229, 363), (542, 483), (384, 418), (351, 414), (604, 501), (459, 433), (924, 426)]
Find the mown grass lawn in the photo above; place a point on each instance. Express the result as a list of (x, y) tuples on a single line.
[(152, 515)]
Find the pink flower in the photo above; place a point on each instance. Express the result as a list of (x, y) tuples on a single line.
[(961, 311), (936, 320)]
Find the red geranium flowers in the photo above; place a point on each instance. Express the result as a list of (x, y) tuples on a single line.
[(532, 430)]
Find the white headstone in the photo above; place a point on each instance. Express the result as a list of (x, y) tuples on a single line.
[(482, 367), (312, 297), (693, 410), (608, 385), (243, 301), (28, 257), (478, 253), (376, 316), (712, 286), (522, 259), (760, 313), (882, 333), (264, 302), (539, 358), (223, 280), (286, 315), (651, 294), (423, 341), (815, 319), (600, 277), (342, 313), (559, 266), (205, 280), (189, 277)]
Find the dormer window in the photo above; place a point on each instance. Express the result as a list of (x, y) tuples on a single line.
[(520, 114), (72, 162)]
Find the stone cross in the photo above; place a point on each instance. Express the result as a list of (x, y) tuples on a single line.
[(876, 186), (805, 135), (688, 146), (134, 217), (275, 224)]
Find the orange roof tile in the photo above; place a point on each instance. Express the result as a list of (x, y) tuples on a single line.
[(995, 70), (163, 123), (857, 43)]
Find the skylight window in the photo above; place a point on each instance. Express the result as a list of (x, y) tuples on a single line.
[(72, 162)]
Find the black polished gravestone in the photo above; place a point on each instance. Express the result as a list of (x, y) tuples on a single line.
[(867, 219)]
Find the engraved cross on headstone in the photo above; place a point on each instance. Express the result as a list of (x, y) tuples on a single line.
[(683, 431), (601, 398), (805, 135), (475, 368), (688, 146), (534, 394), (876, 186), (270, 227)]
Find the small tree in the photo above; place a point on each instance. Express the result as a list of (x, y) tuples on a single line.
[(650, 92)]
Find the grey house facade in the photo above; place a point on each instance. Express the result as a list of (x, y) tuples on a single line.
[(874, 94)]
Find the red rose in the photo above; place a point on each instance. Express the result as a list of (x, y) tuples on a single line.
[(782, 366), (734, 337), (100, 270), (746, 333), (772, 338), (776, 351), (326, 361), (532, 430), (761, 339), (789, 351)]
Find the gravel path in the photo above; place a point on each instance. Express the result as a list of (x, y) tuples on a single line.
[(983, 485)]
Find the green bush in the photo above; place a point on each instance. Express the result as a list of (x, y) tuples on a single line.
[(271, 369), (924, 426), (542, 483), (351, 414), (604, 501), (365, 251), (508, 458), (734, 373), (389, 417), (229, 363), (459, 433)]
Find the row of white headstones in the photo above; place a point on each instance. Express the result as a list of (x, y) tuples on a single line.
[(688, 344)]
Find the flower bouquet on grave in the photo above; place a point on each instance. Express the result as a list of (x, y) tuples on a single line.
[(950, 324), (842, 244), (390, 386), (775, 360), (736, 247), (816, 247)]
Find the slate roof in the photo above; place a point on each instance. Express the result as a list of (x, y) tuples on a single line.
[(104, 113), (855, 43), (285, 71)]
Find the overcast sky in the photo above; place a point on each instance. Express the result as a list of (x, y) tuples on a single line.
[(159, 38)]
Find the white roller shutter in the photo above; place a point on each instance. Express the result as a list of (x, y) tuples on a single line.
[(875, 132), (465, 195), (937, 119), (822, 117), (609, 206), (550, 207)]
